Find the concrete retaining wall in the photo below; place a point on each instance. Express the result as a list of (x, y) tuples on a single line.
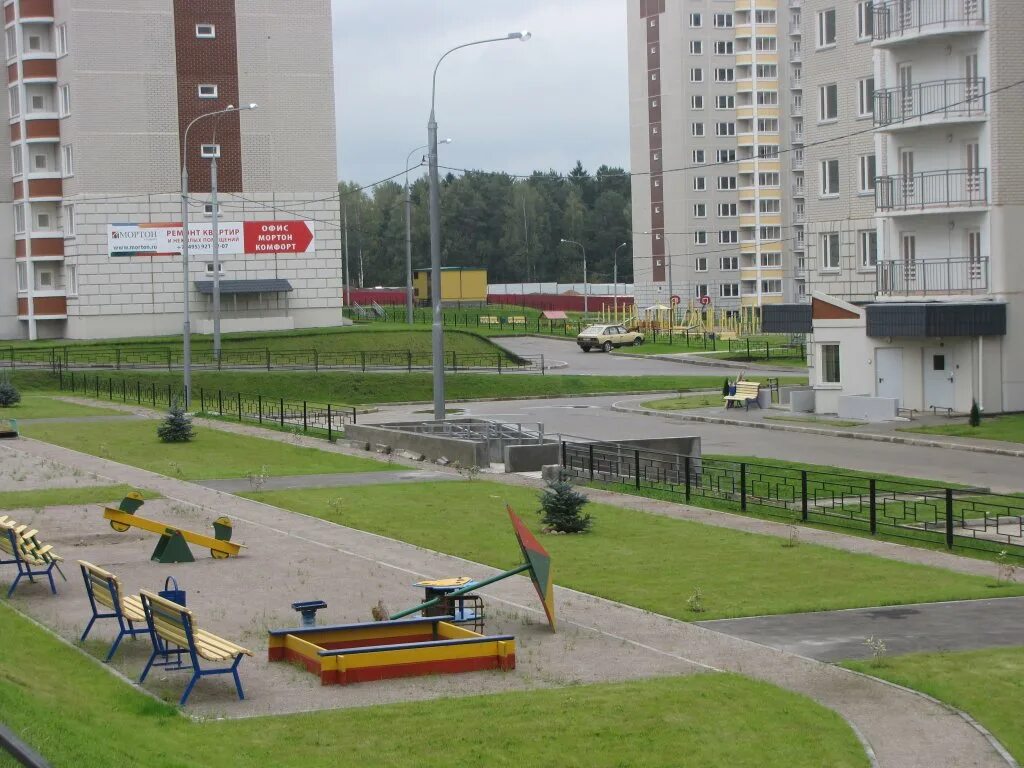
[(466, 452), (530, 458), (867, 408)]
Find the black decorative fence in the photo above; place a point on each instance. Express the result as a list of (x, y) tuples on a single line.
[(317, 419), (953, 517), (170, 358)]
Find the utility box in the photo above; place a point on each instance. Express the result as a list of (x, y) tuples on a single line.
[(460, 286)]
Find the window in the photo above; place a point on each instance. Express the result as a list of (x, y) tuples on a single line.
[(767, 125), (210, 92), (768, 98), (725, 129), (724, 75), (765, 44), (729, 290), (16, 166), (768, 179), (867, 174), (65, 100), (700, 291), (697, 101), (768, 152), (728, 237), (700, 237), (771, 286), (726, 155), (829, 250), (69, 220), (71, 279), (22, 276), (19, 219), (208, 209), (15, 101), (12, 42), (699, 183), (696, 47), (696, 75), (770, 206), (44, 279), (725, 102), (828, 102), (764, 17), (767, 71), (62, 40), (727, 210), (701, 264), (38, 102), (67, 160), (827, 28), (209, 268), (700, 210), (723, 20), (729, 263), (771, 259), (829, 365), (206, 30), (724, 48), (829, 177), (697, 129), (39, 162), (865, 20), (35, 43), (726, 182), (209, 150), (866, 97), (698, 156), (867, 240), (42, 221), (770, 233)]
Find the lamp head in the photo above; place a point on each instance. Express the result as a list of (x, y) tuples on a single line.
[(563, 240), (523, 36), (445, 141), (253, 106)]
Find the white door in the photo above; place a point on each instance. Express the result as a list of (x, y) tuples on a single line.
[(973, 84), (889, 373), (938, 378), (972, 162), (906, 74), (907, 174)]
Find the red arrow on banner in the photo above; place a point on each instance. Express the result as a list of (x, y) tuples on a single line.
[(278, 236)]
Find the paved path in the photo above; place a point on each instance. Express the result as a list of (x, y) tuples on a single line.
[(903, 729), (838, 635), (241, 485)]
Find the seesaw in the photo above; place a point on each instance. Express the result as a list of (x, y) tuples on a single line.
[(173, 544)]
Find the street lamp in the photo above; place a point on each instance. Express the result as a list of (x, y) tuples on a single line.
[(408, 232), (586, 288), (186, 323), (436, 331), (615, 277)]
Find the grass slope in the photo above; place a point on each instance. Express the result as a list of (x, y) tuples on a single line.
[(988, 685), (41, 407), (649, 561), (1009, 428), (213, 454), (60, 497), (715, 720)]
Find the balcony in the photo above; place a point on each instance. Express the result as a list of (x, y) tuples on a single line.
[(898, 20), (794, 28), (799, 217), (796, 137), (796, 109), (932, 190), (799, 190), (795, 55), (931, 102), (932, 277), (796, 161)]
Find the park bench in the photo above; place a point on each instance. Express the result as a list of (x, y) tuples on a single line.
[(489, 320), (177, 640), (746, 392), (517, 320), (105, 592), (25, 550)]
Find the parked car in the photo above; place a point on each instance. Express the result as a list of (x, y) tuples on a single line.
[(608, 337)]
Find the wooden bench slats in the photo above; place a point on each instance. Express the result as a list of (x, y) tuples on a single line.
[(131, 606)]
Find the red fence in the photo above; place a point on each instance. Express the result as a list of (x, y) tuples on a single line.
[(383, 296), (565, 302)]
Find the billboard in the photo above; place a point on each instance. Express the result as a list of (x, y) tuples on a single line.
[(235, 238)]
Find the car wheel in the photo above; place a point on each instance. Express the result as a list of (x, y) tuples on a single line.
[(607, 347), (638, 341), (585, 349)]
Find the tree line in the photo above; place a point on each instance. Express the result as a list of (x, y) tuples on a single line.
[(512, 226)]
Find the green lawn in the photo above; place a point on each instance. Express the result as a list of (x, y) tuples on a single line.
[(685, 403), (650, 561), (1009, 428), (60, 497), (815, 420), (714, 720), (40, 407), (988, 685), (213, 454)]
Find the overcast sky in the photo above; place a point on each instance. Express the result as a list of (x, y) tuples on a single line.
[(509, 106)]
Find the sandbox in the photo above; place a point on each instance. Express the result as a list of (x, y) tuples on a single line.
[(359, 653)]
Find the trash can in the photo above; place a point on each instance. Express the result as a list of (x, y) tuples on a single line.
[(764, 397)]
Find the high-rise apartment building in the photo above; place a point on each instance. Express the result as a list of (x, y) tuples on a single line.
[(100, 95), (710, 105)]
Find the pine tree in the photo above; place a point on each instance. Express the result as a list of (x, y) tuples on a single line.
[(9, 395), (562, 508), (176, 427), (975, 418)]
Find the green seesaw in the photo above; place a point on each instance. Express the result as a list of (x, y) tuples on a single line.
[(173, 544)]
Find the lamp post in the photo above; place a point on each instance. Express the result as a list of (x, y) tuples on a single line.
[(186, 325), (408, 232), (615, 278), (436, 331), (586, 287)]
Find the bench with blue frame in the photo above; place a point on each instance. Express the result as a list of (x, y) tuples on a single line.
[(108, 601)]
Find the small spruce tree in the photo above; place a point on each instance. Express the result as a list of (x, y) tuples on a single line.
[(9, 394), (562, 507), (176, 426), (975, 418)]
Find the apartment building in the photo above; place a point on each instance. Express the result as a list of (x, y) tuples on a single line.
[(941, 325), (101, 94), (709, 102)]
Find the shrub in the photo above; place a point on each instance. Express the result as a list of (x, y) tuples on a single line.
[(975, 418), (562, 507), (176, 426), (9, 395)]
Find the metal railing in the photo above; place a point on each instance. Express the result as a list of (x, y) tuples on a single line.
[(796, 137), (897, 18), (956, 517), (796, 54), (932, 276), (940, 99), (799, 190), (964, 187)]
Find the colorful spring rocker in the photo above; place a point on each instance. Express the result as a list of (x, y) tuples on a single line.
[(409, 647), (172, 547)]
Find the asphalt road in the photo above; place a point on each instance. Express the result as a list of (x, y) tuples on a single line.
[(578, 362)]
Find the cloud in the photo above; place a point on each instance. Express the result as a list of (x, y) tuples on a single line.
[(509, 106)]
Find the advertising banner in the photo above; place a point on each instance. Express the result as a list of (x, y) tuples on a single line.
[(251, 237)]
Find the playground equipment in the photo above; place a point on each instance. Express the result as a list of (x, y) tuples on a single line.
[(172, 546), (696, 318), (8, 428)]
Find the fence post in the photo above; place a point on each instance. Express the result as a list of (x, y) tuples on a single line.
[(169, 365), (305, 421), (202, 400), (169, 395), (316, 361), (282, 413), (408, 358), (636, 466), (686, 469), (767, 351), (138, 392), (455, 362), (803, 494), (563, 454), (353, 414), (590, 460), (259, 406), (743, 486), (110, 389), (748, 348), (362, 360), (220, 402), (154, 394), (872, 508), (499, 363), (239, 395), (542, 365), (268, 358), (949, 518), (117, 364), (330, 426)]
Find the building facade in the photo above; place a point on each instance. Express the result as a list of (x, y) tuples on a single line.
[(709, 107), (100, 95)]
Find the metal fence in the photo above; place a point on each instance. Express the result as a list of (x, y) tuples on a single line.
[(954, 517), (318, 419)]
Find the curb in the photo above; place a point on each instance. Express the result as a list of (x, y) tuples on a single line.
[(826, 432), (699, 360)]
